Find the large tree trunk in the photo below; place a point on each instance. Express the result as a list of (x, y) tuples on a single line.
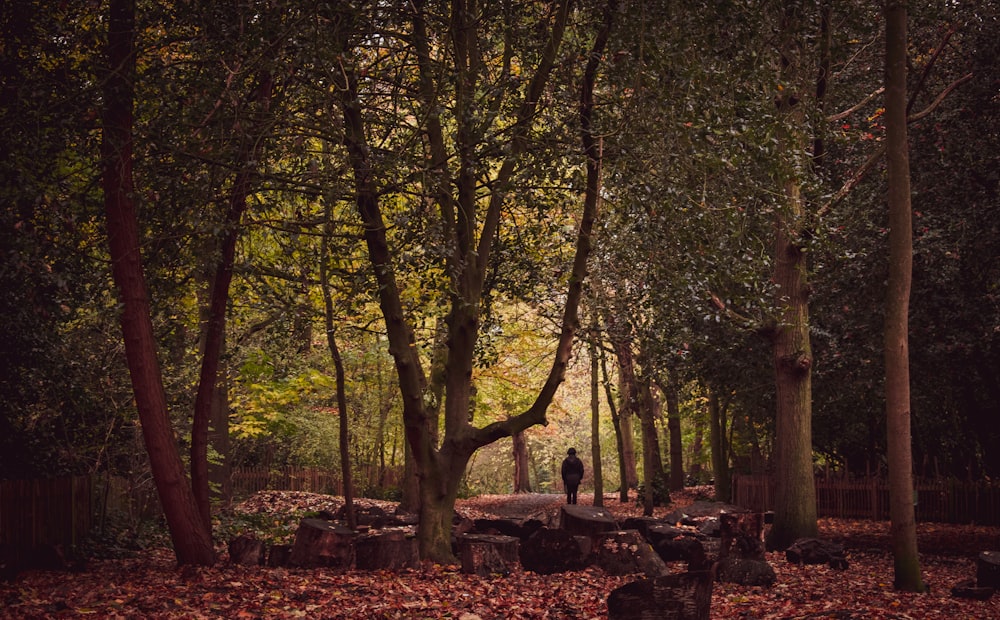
[(191, 537), (795, 490), (897, 363)]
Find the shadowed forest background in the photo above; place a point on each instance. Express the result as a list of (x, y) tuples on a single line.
[(379, 240)]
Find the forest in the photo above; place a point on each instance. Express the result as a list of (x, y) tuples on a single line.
[(431, 245)]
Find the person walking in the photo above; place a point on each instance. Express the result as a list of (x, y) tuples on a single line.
[(572, 474)]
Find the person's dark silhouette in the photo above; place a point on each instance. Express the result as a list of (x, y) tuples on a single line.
[(572, 474)]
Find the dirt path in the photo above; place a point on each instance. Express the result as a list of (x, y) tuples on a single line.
[(519, 506)]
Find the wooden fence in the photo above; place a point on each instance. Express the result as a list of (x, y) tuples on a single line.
[(942, 501), (38, 514)]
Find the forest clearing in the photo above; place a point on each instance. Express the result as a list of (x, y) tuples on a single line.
[(149, 584)]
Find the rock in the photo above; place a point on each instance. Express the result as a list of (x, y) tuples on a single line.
[(679, 596)]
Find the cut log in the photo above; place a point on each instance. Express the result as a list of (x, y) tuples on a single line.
[(246, 550), (967, 589), (488, 554), (507, 527), (549, 551), (816, 551), (988, 569), (586, 520), (390, 549), (322, 543), (680, 596), (626, 552), (643, 524)]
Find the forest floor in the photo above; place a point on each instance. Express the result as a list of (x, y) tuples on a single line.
[(147, 583)]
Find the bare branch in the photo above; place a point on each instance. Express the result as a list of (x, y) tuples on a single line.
[(842, 115), (912, 118)]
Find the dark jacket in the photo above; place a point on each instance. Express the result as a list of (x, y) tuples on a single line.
[(572, 470)]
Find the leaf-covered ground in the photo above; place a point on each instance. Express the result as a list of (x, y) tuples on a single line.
[(149, 585)]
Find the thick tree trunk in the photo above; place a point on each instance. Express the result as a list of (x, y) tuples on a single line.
[(189, 533), (795, 490), (897, 363)]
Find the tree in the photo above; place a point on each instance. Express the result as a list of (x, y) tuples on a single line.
[(795, 490), (897, 370), (469, 244), (189, 532)]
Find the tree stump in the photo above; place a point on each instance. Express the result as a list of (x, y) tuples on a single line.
[(988, 569), (322, 543), (488, 554), (626, 552), (586, 520), (742, 535), (550, 551), (390, 549), (741, 553), (746, 572), (246, 550), (680, 596), (278, 555)]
